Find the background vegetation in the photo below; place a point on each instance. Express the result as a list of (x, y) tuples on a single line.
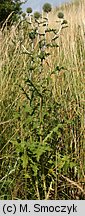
[(7, 7), (42, 75)]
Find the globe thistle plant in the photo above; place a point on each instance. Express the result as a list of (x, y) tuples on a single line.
[(47, 8), (29, 11), (23, 15), (37, 15), (60, 15)]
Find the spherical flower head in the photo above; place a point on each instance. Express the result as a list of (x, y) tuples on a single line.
[(47, 7), (23, 15), (60, 15), (37, 15), (29, 10)]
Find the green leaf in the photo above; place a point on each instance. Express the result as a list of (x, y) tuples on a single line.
[(55, 130), (72, 164), (27, 176), (16, 115), (24, 159), (34, 167)]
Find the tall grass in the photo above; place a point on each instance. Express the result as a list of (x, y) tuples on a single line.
[(42, 141)]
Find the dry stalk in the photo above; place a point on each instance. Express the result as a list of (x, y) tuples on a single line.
[(73, 183), (6, 20), (49, 190)]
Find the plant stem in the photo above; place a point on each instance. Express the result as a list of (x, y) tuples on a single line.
[(56, 180)]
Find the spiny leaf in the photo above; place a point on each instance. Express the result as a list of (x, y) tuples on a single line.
[(24, 159)]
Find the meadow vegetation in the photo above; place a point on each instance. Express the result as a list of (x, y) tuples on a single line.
[(42, 97)]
